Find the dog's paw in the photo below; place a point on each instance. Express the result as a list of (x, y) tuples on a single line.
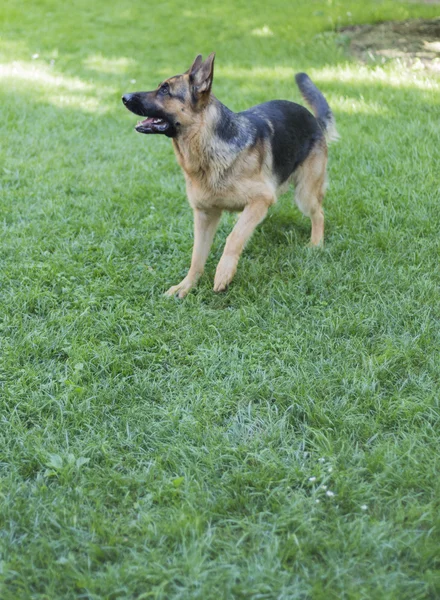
[(316, 245), (224, 273), (181, 289)]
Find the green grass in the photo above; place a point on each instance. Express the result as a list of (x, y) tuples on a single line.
[(151, 448)]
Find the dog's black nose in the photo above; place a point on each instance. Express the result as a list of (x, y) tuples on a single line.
[(126, 98)]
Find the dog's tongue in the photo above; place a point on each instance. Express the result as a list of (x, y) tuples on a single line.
[(152, 125), (151, 121)]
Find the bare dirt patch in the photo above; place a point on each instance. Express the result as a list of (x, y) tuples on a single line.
[(416, 43)]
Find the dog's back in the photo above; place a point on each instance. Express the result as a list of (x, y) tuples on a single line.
[(292, 131)]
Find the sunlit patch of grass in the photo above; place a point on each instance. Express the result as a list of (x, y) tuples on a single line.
[(347, 104), (276, 441), (53, 87), (100, 63), (40, 74), (392, 76), (264, 31)]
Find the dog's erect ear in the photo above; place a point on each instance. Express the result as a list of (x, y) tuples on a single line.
[(196, 64), (202, 74)]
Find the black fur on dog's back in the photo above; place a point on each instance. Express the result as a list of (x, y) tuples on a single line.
[(291, 128), (292, 131)]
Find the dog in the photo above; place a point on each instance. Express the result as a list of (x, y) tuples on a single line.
[(238, 161)]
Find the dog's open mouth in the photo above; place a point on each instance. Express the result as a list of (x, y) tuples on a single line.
[(152, 125)]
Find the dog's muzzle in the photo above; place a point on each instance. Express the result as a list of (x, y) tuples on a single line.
[(155, 121)]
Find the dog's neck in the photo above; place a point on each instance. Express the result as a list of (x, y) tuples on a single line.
[(200, 150)]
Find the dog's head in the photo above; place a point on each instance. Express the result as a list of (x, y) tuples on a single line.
[(177, 102)]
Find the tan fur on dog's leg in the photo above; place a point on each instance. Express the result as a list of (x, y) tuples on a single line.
[(310, 184), (317, 218), (205, 226), (251, 216)]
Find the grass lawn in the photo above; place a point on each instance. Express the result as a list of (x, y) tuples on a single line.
[(278, 441)]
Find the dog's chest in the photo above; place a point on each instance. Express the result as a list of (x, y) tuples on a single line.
[(208, 183), (216, 179), (206, 192)]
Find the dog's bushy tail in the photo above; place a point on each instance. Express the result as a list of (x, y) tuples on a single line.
[(319, 105)]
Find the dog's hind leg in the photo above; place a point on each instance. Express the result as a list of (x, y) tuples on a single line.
[(205, 225), (310, 184), (251, 216)]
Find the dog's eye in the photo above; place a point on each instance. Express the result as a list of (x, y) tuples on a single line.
[(164, 89)]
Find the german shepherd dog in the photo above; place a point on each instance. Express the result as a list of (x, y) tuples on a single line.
[(238, 161)]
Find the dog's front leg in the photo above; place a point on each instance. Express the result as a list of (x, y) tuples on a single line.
[(205, 225), (251, 216)]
